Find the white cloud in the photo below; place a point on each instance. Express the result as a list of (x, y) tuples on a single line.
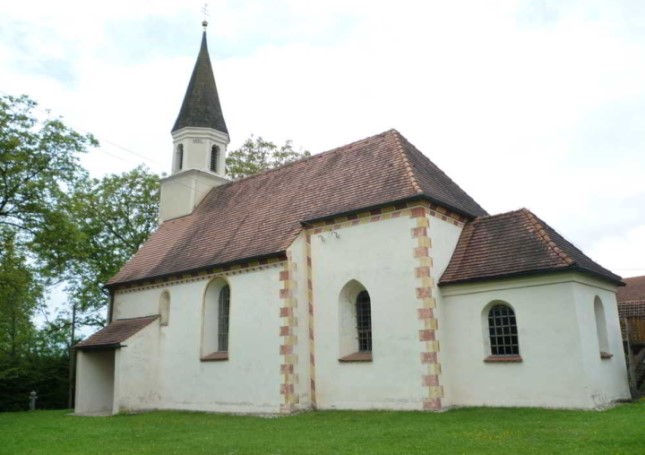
[(536, 104)]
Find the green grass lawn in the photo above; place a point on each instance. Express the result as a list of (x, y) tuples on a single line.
[(475, 430)]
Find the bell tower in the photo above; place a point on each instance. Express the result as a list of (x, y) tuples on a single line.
[(200, 139)]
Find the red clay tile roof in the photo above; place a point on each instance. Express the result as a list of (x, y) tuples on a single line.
[(634, 290), (115, 333), (261, 215), (631, 298), (512, 244)]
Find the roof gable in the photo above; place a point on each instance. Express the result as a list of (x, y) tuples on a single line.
[(261, 215), (512, 244)]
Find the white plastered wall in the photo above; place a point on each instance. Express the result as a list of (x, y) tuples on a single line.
[(249, 381), (553, 342), (607, 378), (94, 382), (136, 371), (380, 257), (182, 192)]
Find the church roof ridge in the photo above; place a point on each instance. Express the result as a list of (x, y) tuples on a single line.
[(342, 148), (262, 214)]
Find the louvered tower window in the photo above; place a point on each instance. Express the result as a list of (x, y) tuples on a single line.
[(180, 157), (214, 158)]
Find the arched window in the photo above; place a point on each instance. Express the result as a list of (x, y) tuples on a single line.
[(355, 323), (601, 328), (224, 308), (216, 320), (502, 331), (164, 308), (214, 158), (180, 157), (364, 322)]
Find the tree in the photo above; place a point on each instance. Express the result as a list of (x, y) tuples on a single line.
[(115, 215), (39, 168), (257, 155), (20, 296)]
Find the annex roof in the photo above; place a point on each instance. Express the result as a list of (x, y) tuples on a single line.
[(112, 335), (261, 215), (513, 244), (201, 106)]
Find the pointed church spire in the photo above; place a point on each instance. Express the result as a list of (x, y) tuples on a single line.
[(200, 139), (201, 107)]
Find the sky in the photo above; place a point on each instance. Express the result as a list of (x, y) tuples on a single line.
[(536, 104)]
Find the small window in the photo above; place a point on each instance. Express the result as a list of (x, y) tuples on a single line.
[(180, 157), (164, 308), (601, 328), (214, 158), (502, 331), (355, 323), (364, 322), (216, 320), (224, 308)]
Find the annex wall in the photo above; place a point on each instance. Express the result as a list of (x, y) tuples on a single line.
[(553, 343), (606, 374), (94, 382), (136, 371)]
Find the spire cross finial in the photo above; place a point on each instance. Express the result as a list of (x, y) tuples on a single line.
[(205, 13)]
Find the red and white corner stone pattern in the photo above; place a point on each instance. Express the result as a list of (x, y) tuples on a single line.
[(312, 343), (289, 338), (426, 313)]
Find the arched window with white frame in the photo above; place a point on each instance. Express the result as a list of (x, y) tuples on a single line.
[(601, 328), (216, 320), (355, 323)]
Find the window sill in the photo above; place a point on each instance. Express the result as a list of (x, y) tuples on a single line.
[(503, 359), (357, 357), (605, 355), (215, 356)]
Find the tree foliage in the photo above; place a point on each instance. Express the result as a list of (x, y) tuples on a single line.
[(257, 155), (39, 168), (20, 296), (114, 215), (57, 225), (30, 359)]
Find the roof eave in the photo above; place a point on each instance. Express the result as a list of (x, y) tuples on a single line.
[(99, 347), (615, 281), (416, 197), (166, 276)]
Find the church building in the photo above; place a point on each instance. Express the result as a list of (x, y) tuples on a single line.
[(358, 278)]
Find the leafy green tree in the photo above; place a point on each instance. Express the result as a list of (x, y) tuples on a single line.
[(114, 215), (257, 155), (20, 297), (39, 168), (30, 359)]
